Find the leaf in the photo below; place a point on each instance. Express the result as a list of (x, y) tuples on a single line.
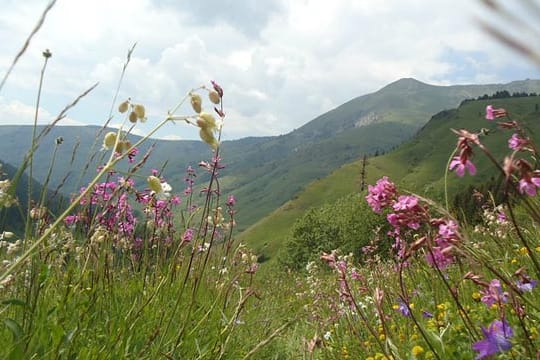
[(15, 328), (17, 302)]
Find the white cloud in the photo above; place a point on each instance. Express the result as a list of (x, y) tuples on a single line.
[(19, 113), (281, 63)]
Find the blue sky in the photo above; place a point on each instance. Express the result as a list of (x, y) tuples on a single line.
[(281, 63)]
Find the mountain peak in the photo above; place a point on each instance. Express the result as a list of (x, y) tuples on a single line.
[(405, 84)]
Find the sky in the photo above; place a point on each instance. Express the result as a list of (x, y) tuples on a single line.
[(281, 63)]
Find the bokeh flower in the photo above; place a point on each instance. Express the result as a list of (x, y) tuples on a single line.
[(496, 339)]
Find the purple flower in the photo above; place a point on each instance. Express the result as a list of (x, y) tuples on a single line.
[(188, 235), (494, 293), (403, 309), (528, 186), (462, 166), (496, 339), (526, 285)]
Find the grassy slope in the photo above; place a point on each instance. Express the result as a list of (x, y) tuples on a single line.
[(418, 165)]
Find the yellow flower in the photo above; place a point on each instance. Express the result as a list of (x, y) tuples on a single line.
[(476, 296), (417, 350), (523, 251)]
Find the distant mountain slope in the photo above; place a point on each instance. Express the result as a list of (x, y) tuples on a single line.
[(11, 219), (266, 172), (418, 165)]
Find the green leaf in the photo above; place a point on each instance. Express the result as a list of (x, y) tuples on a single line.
[(15, 328), (17, 302)]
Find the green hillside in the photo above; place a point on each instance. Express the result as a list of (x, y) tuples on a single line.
[(418, 165), (264, 173)]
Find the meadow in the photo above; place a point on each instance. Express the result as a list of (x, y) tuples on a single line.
[(134, 268)]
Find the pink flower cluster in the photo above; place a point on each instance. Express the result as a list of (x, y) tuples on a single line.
[(382, 195), (408, 216), (441, 253)]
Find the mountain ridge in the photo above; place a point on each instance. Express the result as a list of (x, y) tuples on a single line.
[(265, 172)]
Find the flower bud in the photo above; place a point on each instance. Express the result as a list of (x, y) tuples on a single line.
[(122, 146), (208, 137), (196, 103), (154, 183), (109, 140), (206, 121), (123, 107), (133, 117), (214, 97), (140, 111)]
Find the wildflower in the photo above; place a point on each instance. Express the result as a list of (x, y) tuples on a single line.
[(109, 140), (528, 185), (140, 112), (231, 200), (461, 165), (196, 102), (381, 195), (206, 121), (494, 294), (526, 285), (492, 113), (403, 309), (123, 107), (161, 189), (214, 97), (208, 137), (516, 142), (417, 350), (496, 339)]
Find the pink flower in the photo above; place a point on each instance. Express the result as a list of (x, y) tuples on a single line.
[(492, 113), (381, 195), (494, 294), (528, 185), (516, 142), (231, 200), (461, 166)]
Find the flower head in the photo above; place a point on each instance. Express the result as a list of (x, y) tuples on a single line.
[(496, 339), (492, 113), (461, 165), (381, 195)]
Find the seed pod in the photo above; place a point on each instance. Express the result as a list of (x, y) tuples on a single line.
[(214, 97), (206, 121), (139, 110), (196, 102), (123, 107), (154, 183), (133, 117), (208, 137), (109, 140)]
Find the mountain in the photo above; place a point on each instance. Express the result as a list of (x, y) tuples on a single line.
[(417, 165), (12, 218), (265, 172)]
